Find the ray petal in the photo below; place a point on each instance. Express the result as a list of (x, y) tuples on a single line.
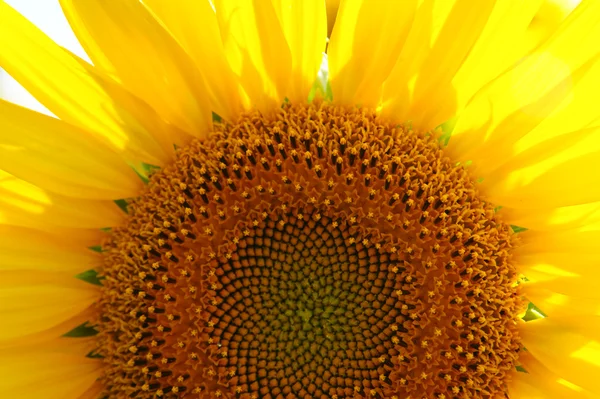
[(56, 373), (31, 302), (145, 58), (256, 49), (453, 49), (182, 19), (58, 157), (567, 346), (28, 249), (528, 130), (361, 57), (23, 204), (541, 383), (71, 89), (555, 219), (304, 25)]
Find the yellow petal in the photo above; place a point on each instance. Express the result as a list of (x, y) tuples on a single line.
[(304, 25), (547, 20), (150, 133), (444, 34), (550, 264), (27, 249), (31, 302), (498, 47), (365, 44), (46, 339), (69, 89), (58, 157), (94, 391), (585, 216), (92, 49), (541, 383), (34, 374), (578, 286), (182, 19), (23, 204), (568, 347), (82, 237), (145, 58), (546, 95), (574, 242), (60, 344), (503, 41), (561, 178), (561, 262), (554, 304), (256, 49), (526, 386)]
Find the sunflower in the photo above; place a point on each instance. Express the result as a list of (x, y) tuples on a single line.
[(220, 211)]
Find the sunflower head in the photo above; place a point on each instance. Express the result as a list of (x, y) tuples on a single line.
[(310, 253), (235, 214)]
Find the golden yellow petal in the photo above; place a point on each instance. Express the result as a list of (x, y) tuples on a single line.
[(574, 242), (145, 58), (531, 124), (551, 174), (28, 249), (152, 137), (31, 373), (561, 262), (498, 47), (527, 387), (541, 383), (31, 302), (82, 237), (577, 286), (561, 267), (23, 204), (552, 129), (60, 344), (444, 34), (365, 44), (304, 25), (256, 48), (547, 20), (564, 218), (60, 158), (92, 49), (47, 339), (547, 264), (506, 37), (568, 346), (69, 88), (93, 392), (182, 19), (555, 304)]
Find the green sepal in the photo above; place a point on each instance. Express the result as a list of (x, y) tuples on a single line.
[(90, 276), (83, 330)]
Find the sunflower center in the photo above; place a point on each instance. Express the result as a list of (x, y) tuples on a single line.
[(317, 252)]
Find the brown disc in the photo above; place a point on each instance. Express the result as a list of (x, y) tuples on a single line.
[(317, 252)]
